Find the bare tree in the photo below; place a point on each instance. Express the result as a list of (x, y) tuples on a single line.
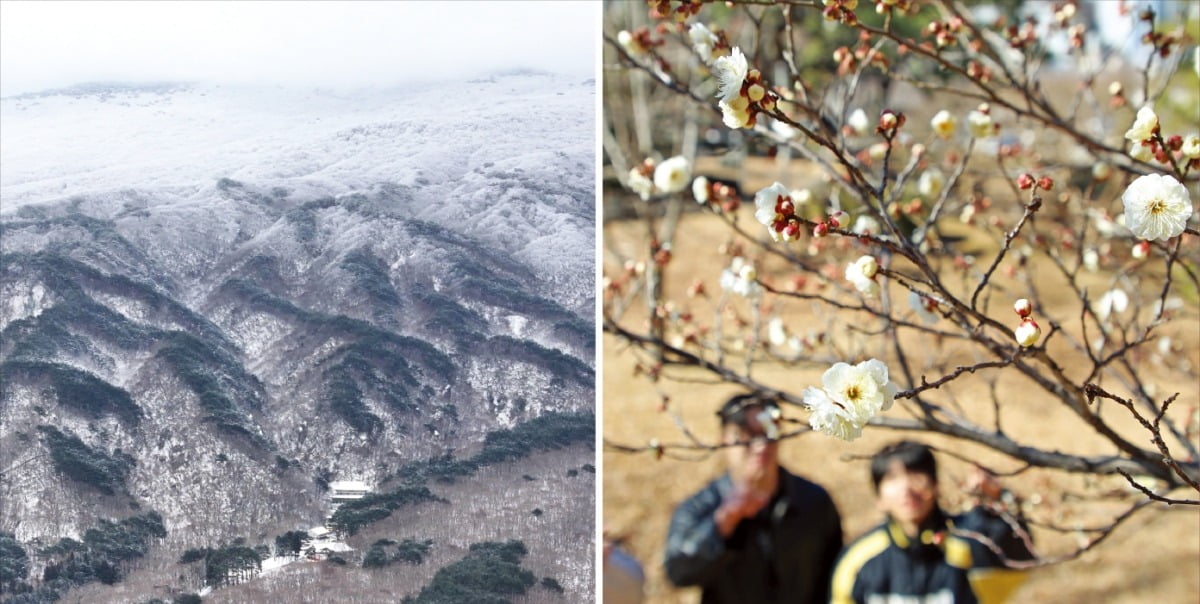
[(945, 164)]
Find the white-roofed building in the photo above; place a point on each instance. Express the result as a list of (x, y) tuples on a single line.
[(341, 491)]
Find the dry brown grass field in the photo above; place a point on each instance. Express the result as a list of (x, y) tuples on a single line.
[(1153, 557)]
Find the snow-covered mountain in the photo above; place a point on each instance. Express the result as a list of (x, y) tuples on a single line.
[(215, 300)]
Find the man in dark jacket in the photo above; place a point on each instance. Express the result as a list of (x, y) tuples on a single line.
[(757, 533), (921, 554)]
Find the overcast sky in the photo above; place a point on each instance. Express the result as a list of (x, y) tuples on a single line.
[(338, 44)]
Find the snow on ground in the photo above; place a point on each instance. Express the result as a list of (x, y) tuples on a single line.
[(508, 160)]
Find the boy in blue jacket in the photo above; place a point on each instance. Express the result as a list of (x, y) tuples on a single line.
[(920, 553)]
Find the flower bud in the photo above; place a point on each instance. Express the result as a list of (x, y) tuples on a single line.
[(868, 266), (1022, 307), (1140, 250), (1027, 333), (1045, 183), (791, 231), (657, 448), (1025, 181), (888, 120)]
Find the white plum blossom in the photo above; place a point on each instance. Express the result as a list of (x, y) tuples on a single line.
[(967, 214), (1113, 301), (944, 124), (740, 277), (1172, 303), (777, 333), (868, 288), (1164, 345), (1141, 151), (850, 395), (1143, 126), (641, 184), (672, 175), (1091, 259), (981, 124), (782, 339), (1106, 226), (703, 41), (765, 202), (775, 209), (925, 306), (700, 189), (861, 273), (858, 122), (730, 72), (1156, 207), (1191, 146), (866, 224), (768, 418), (829, 417), (784, 131), (631, 44), (736, 113), (931, 182)]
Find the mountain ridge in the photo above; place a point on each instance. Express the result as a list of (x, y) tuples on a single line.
[(212, 345)]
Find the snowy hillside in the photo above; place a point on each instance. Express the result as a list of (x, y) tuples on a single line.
[(216, 300), (513, 155)]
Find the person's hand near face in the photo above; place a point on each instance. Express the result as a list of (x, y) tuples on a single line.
[(982, 483), (753, 469)]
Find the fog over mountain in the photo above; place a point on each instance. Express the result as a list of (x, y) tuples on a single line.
[(217, 301)]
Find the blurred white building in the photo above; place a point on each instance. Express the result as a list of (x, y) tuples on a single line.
[(342, 491)]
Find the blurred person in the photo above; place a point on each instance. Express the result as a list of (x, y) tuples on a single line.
[(919, 553), (758, 533)]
